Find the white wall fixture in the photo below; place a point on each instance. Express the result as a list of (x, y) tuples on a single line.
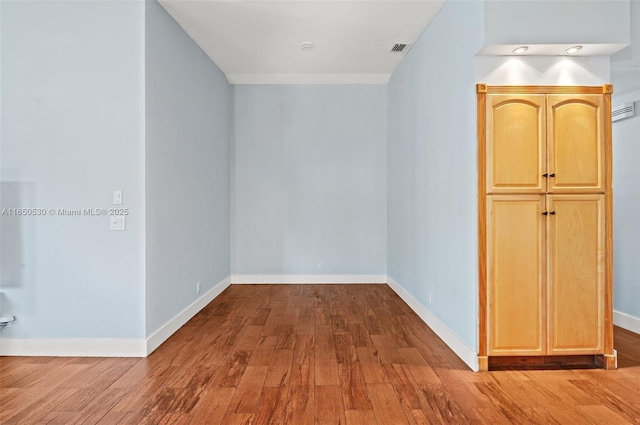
[(6, 321), (117, 197), (117, 222), (623, 111)]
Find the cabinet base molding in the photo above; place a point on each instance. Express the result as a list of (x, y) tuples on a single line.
[(608, 361), (483, 364), (601, 361)]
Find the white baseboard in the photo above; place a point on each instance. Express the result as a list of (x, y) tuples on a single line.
[(169, 328), (626, 321), (307, 278), (74, 347), (109, 347), (466, 354), (132, 347)]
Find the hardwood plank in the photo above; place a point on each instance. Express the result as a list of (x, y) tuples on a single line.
[(37, 410), (175, 419), (260, 317), (238, 419), (374, 373), (94, 411), (345, 350), (114, 418), (249, 339), (326, 367), (291, 316), (502, 401), (329, 409), (614, 402), (212, 406), (354, 391), (385, 404), (261, 355), (386, 349), (304, 352), (301, 394), (286, 337), (603, 415), (360, 417), (230, 374), (280, 369), (443, 404), (360, 335), (306, 322), (249, 391), (273, 407), (399, 378)]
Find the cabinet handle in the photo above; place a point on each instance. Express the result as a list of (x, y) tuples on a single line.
[(545, 213), (552, 175), (545, 175), (552, 213)]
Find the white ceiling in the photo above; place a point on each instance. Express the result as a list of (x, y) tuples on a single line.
[(260, 42)]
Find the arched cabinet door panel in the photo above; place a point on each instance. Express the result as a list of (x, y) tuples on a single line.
[(516, 147), (575, 144)]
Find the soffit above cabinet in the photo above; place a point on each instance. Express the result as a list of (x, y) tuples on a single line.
[(549, 28)]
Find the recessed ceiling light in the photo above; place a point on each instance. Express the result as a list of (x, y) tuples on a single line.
[(520, 50), (306, 46), (572, 50)]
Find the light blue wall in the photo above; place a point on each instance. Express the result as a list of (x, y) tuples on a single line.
[(625, 73), (72, 132), (310, 179), (432, 187), (626, 207), (188, 122)]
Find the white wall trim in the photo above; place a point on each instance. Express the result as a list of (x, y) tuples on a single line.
[(74, 347), (109, 347), (469, 356), (626, 321), (307, 278), (308, 78), (169, 328)]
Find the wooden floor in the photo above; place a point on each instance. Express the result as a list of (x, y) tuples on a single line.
[(311, 354)]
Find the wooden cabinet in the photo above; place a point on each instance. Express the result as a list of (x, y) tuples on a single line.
[(576, 280), (516, 278), (545, 223), (516, 144), (544, 143), (575, 140), (545, 274)]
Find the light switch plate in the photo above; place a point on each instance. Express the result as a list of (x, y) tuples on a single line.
[(117, 222), (117, 197)]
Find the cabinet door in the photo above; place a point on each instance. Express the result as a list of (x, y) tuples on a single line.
[(515, 275), (575, 136), (576, 274), (516, 145)]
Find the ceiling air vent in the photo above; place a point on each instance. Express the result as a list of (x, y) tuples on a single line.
[(623, 111), (398, 47)]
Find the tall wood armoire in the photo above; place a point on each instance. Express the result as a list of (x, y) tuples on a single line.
[(545, 225)]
